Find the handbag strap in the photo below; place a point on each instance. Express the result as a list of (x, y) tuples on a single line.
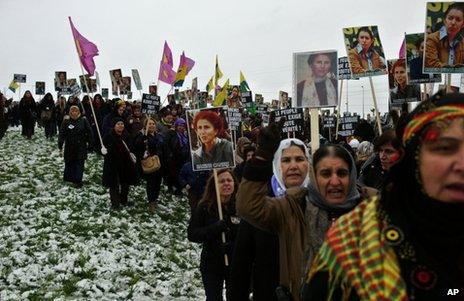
[(125, 146)]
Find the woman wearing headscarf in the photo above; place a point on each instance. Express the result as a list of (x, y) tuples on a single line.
[(300, 215), (28, 114), (178, 152), (409, 243), (76, 135), (205, 227), (47, 115), (118, 168)]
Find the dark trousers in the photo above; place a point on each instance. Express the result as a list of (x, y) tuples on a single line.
[(118, 194), (153, 186), (3, 128), (213, 282), (27, 127), (73, 170), (50, 129)]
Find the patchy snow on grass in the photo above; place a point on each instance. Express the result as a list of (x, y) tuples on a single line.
[(59, 243)]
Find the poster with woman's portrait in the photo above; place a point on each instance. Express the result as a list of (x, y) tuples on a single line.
[(315, 79), (415, 46), (365, 52), (444, 45), (211, 144), (125, 86), (283, 99), (152, 89), (116, 81), (400, 90), (60, 80), (40, 88)]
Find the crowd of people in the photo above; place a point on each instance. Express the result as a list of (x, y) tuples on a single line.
[(363, 218)]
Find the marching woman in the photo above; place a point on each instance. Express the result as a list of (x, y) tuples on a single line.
[(409, 243), (206, 228), (76, 135), (119, 166), (28, 114), (149, 143)]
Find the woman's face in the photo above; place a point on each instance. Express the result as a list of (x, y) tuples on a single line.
[(206, 131), (321, 65), (119, 127), (365, 40), (121, 110), (388, 156), (28, 94), (226, 184), (294, 166), (117, 75), (333, 179), (400, 75), (454, 21), (441, 163), (151, 126), (74, 113)]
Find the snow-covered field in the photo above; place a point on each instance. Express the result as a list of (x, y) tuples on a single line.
[(62, 243)]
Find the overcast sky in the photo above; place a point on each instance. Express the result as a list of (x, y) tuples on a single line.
[(257, 37)]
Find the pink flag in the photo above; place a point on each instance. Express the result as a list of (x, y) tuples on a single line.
[(185, 61), (167, 55), (85, 49), (166, 74), (402, 53)]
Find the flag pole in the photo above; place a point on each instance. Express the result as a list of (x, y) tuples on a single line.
[(104, 151)]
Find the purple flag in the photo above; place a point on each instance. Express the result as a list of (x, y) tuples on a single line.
[(402, 53), (166, 74), (85, 49), (167, 55)]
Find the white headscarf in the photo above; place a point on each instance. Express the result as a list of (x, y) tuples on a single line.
[(277, 182)]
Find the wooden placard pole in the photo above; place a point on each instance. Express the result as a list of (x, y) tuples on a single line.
[(219, 205), (376, 108), (314, 130), (337, 123)]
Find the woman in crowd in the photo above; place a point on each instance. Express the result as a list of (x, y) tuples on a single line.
[(76, 135), (320, 88), (363, 57), (47, 115), (149, 143), (178, 152), (206, 228), (388, 151), (402, 90), (302, 215), (118, 168), (117, 112), (409, 243), (60, 111), (28, 114), (363, 152), (445, 48), (209, 127)]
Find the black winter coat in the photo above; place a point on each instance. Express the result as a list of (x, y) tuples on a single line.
[(203, 228), (117, 166), (75, 135)]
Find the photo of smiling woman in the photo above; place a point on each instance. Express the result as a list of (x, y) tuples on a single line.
[(213, 147), (315, 75), (444, 48)]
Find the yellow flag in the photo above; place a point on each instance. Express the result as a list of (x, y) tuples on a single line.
[(221, 96), (218, 72), (210, 85)]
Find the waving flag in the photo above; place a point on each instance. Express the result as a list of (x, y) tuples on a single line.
[(166, 74), (243, 83), (85, 49), (217, 73), (185, 65), (210, 85), (221, 96)]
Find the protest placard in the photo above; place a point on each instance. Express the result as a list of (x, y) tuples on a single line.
[(415, 60), (210, 146), (136, 77), (40, 88), (150, 104), (400, 90), (19, 78), (294, 119), (234, 117), (347, 125)]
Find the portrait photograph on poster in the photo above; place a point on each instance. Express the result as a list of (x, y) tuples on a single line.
[(315, 82), (444, 45), (233, 97), (400, 90), (415, 46), (116, 81), (60, 80), (365, 52), (40, 88), (211, 144), (105, 92), (283, 100), (153, 89), (125, 86)]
